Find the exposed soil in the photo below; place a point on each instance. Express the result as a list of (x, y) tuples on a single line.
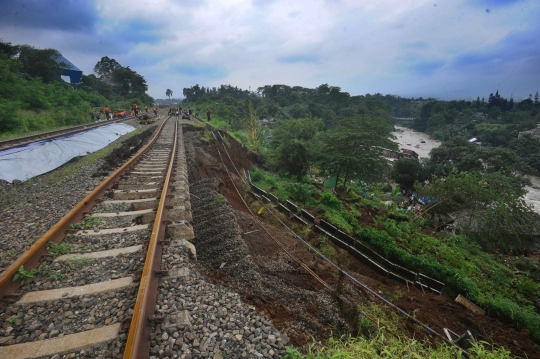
[(236, 251)]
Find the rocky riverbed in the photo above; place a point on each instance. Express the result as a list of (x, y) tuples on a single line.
[(419, 142), (408, 139)]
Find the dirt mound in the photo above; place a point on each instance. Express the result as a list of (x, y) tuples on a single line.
[(258, 269), (272, 283)]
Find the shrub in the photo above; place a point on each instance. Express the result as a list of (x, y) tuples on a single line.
[(299, 191), (256, 175), (454, 281), (330, 200)]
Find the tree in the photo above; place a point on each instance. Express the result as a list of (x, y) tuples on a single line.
[(528, 149), (292, 140), (8, 49), (169, 93), (252, 126), (41, 63), (407, 171), (536, 98), (461, 155), (352, 148), (420, 122), (488, 207), (129, 81), (105, 67)]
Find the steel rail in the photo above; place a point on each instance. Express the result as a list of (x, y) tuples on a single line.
[(31, 257), (49, 135), (139, 330)]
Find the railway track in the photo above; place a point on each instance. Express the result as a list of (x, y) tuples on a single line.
[(25, 140), (88, 287)]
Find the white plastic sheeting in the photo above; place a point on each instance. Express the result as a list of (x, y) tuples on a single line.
[(28, 161)]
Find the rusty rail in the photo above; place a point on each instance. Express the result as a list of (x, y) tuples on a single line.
[(138, 341), (31, 258)]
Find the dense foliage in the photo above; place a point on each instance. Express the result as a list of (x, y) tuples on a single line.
[(33, 97), (495, 123), (324, 131), (324, 127)]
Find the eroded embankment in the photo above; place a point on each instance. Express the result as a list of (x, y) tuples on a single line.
[(283, 289), (296, 303)]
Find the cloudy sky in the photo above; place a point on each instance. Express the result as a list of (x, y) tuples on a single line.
[(450, 49)]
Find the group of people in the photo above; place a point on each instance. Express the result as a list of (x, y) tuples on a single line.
[(413, 203), (97, 114), (186, 114), (107, 111), (177, 112)]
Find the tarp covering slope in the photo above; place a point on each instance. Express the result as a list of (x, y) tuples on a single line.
[(25, 162)]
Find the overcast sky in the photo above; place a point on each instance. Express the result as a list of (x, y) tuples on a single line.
[(452, 49)]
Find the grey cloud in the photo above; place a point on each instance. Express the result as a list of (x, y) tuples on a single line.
[(68, 15)]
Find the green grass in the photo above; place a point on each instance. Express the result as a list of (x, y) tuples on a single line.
[(485, 278), (385, 339), (22, 133), (10, 253), (80, 262), (42, 121), (87, 223), (328, 206), (217, 202), (58, 276), (58, 249), (326, 249)]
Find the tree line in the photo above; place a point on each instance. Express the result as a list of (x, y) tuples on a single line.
[(327, 131), (33, 97), (496, 122)]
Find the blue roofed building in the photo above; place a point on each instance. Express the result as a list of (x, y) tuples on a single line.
[(70, 73)]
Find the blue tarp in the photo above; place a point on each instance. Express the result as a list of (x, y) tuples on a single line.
[(28, 161), (70, 70)]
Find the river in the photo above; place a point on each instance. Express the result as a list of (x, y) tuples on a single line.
[(408, 139)]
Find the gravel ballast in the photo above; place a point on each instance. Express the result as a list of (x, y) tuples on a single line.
[(217, 323), (31, 208), (56, 318), (86, 271)]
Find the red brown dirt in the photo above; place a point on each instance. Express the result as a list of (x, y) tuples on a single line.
[(435, 311)]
